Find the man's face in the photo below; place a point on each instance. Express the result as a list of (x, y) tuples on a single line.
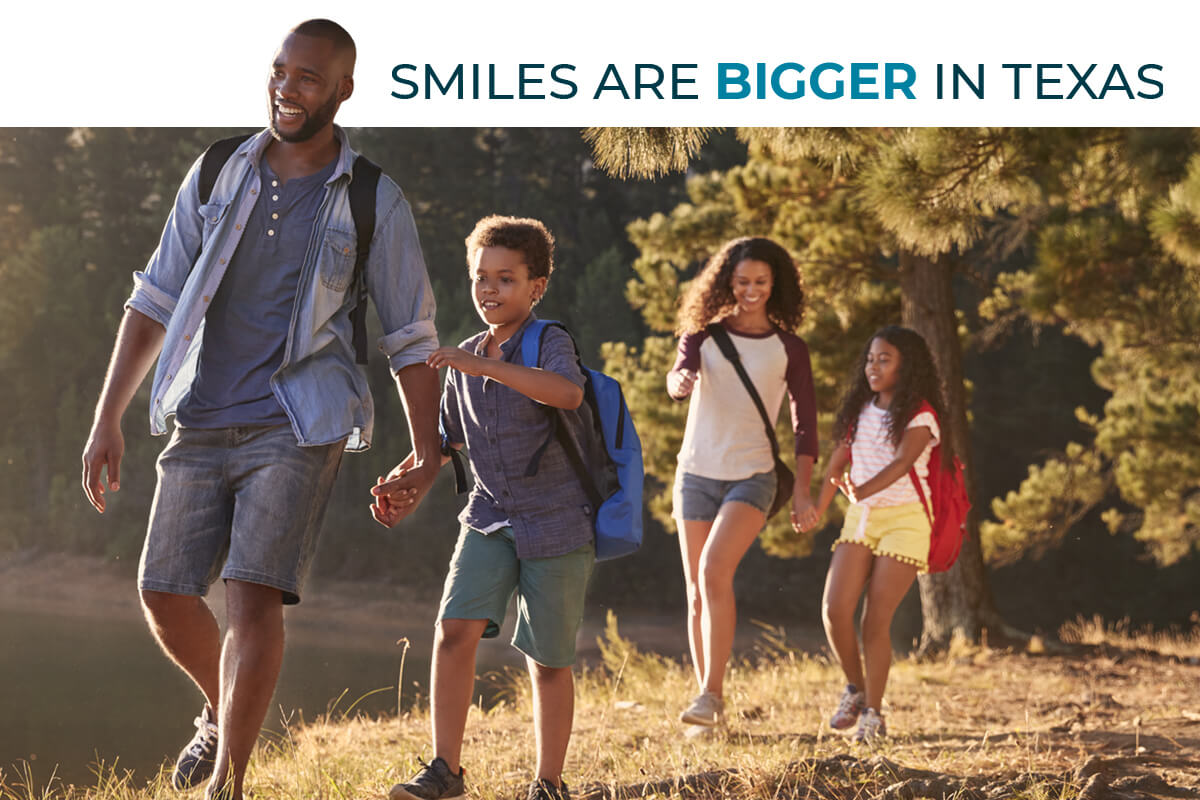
[(308, 82)]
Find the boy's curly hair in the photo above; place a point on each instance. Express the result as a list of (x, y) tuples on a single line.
[(709, 298), (529, 237), (918, 381)]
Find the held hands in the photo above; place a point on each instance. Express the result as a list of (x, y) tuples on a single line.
[(680, 383), (804, 513), (105, 447), (457, 358), (397, 495)]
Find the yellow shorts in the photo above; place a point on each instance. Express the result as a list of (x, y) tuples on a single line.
[(899, 532)]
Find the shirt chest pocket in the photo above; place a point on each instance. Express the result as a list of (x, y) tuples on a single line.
[(211, 214), (336, 266)]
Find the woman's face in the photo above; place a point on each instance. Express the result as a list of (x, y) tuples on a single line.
[(883, 366), (751, 284)]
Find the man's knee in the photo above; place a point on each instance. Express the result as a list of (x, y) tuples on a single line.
[(252, 603), (162, 607), (458, 634)]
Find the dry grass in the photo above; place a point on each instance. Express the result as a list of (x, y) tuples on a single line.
[(977, 724)]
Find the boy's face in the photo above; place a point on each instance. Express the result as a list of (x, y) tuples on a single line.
[(502, 289)]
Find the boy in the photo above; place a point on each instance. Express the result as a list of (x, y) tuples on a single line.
[(532, 535)]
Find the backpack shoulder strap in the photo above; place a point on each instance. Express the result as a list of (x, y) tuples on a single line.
[(364, 181), (717, 331), (912, 471), (213, 160)]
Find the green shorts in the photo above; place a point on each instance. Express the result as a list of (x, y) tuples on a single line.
[(484, 573)]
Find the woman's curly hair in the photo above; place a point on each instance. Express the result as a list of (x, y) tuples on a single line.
[(709, 298), (917, 382)]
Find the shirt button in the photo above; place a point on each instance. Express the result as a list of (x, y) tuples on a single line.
[(254, 191), (345, 250), (206, 298), (170, 376), (187, 337), (270, 233), (238, 226), (274, 183), (214, 219), (275, 215), (274, 197), (222, 261)]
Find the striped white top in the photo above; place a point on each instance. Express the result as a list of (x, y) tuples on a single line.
[(872, 450)]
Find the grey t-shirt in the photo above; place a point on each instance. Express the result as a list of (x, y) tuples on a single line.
[(246, 325)]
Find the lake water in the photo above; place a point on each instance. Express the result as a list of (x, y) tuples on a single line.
[(79, 691)]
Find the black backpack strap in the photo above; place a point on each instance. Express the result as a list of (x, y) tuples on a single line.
[(213, 160), (717, 331), (364, 180)]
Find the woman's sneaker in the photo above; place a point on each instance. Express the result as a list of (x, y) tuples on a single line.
[(849, 707), (434, 782), (542, 789), (199, 756), (706, 709), (870, 727)]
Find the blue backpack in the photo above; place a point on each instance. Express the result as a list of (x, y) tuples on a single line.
[(612, 476)]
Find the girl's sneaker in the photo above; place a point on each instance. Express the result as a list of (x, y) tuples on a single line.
[(849, 707), (870, 727), (705, 710)]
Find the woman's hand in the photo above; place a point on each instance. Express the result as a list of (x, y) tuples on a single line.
[(680, 383), (804, 513)]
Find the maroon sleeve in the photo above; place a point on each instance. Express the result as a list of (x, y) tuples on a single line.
[(803, 396), (688, 355)]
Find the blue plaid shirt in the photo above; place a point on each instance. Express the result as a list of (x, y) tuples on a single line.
[(502, 429)]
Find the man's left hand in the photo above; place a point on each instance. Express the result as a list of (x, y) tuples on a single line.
[(399, 494)]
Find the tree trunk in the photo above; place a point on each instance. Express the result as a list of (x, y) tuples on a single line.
[(958, 601)]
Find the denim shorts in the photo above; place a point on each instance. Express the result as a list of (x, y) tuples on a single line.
[(699, 499), (241, 504), (484, 573)]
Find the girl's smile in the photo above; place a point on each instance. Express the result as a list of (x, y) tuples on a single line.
[(883, 369), (751, 285)]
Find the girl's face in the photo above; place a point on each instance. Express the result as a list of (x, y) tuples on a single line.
[(501, 286), (883, 366), (751, 285)]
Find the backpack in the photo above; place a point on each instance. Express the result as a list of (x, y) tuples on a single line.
[(363, 182), (947, 506), (612, 474)]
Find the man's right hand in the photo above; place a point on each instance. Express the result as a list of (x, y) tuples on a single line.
[(105, 447)]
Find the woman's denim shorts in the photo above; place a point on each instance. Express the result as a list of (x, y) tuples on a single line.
[(697, 498)]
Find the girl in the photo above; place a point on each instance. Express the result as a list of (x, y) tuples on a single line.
[(725, 482), (884, 427)]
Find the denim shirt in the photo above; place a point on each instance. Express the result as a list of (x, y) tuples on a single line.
[(322, 390), (502, 429)]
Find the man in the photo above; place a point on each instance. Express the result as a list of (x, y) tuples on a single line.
[(248, 298)]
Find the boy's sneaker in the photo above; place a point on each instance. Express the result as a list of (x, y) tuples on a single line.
[(199, 757), (706, 709), (849, 707), (434, 782), (870, 727), (543, 789)]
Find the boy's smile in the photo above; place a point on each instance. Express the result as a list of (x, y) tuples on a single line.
[(502, 290)]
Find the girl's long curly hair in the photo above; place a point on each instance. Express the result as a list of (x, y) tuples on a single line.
[(709, 298), (918, 381)]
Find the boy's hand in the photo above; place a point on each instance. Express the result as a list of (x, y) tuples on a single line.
[(457, 358), (680, 383), (397, 495)]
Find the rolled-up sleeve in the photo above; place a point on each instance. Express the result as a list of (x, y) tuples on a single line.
[(156, 288), (399, 284)]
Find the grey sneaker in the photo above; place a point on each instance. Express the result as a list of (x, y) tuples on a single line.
[(199, 757), (434, 782), (543, 789), (706, 709), (849, 707), (870, 727)]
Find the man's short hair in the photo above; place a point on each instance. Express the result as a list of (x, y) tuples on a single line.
[(529, 237), (329, 30)]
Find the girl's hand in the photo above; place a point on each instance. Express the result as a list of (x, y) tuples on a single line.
[(680, 383), (457, 358), (846, 485), (804, 513)]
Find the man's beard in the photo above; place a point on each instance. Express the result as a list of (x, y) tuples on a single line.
[(312, 123)]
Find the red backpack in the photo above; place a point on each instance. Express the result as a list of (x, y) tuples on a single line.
[(947, 512)]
